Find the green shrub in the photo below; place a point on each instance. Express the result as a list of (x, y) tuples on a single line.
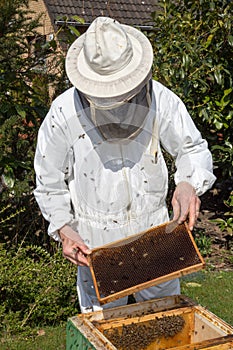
[(28, 67), (36, 288), (193, 56)]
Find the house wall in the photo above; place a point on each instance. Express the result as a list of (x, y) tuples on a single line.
[(48, 30), (47, 26)]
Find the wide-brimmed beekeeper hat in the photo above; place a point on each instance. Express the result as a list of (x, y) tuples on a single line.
[(110, 60)]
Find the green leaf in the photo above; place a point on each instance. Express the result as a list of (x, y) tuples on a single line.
[(79, 19), (74, 30), (230, 40), (227, 92), (209, 40), (218, 77), (8, 177), (20, 110), (185, 60)]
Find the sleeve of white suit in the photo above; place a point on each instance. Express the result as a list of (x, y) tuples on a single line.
[(52, 166), (180, 137)]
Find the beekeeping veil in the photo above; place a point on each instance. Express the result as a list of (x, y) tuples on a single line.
[(110, 65)]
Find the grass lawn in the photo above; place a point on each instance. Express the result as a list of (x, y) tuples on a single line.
[(213, 290), (51, 338)]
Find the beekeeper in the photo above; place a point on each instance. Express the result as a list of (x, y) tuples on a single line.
[(100, 172)]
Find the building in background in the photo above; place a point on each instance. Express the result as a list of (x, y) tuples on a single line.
[(60, 12)]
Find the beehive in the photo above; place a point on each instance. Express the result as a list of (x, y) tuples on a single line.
[(168, 323), (143, 260)]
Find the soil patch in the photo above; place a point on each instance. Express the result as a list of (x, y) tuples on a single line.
[(213, 207)]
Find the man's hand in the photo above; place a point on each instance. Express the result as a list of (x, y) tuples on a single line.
[(74, 249), (186, 204)]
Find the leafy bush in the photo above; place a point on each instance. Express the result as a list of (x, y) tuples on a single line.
[(193, 47), (202, 241), (37, 285), (36, 288), (225, 223), (29, 66), (27, 70)]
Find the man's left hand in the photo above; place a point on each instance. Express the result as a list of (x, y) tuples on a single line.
[(186, 204)]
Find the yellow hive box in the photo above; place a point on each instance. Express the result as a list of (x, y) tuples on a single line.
[(174, 322)]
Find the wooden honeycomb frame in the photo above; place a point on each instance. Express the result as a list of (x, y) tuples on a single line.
[(143, 260)]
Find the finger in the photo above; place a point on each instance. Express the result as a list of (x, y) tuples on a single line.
[(192, 213), (74, 250), (176, 209), (83, 261), (71, 259), (185, 203), (79, 256), (84, 249), (183, 215), (76, 260), (184, 210), (71, 254)]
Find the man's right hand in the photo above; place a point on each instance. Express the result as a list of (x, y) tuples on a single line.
[(74, 249)]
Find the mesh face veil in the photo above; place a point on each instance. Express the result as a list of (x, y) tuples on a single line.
[(119, 119)]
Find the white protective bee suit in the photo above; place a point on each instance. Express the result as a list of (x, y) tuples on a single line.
[(109, 189)]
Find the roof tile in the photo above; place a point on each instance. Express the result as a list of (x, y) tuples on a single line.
[(132, 12)]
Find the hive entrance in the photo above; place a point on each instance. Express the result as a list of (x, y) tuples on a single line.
[(140, 261)]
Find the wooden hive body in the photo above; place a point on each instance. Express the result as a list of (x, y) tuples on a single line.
[(182, 325)]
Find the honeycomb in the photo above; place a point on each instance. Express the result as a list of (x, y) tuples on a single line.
[(138, 336), (146, 257)]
